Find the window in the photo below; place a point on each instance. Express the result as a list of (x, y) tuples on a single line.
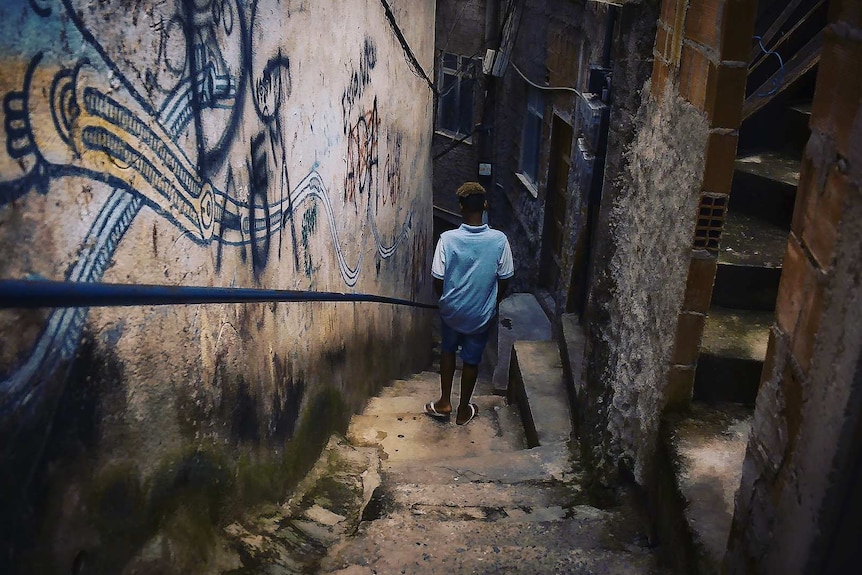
[(531, 138), (455, 106)]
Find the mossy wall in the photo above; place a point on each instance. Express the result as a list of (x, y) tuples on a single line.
[(277, 144)]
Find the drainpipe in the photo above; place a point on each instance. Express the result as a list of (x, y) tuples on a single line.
[(485, 145), (609, 36)]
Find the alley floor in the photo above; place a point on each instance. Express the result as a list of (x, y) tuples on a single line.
[(405, 493)]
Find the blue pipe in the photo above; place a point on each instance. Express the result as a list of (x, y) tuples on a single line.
[(29, 294)]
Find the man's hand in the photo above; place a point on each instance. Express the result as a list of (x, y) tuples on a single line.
[(438, 287)]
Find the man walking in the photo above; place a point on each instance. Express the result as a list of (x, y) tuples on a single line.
[(471, 267)]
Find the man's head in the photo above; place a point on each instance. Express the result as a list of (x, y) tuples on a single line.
[(471, 196)]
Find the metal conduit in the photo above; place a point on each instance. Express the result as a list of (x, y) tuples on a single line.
[(29, 294)]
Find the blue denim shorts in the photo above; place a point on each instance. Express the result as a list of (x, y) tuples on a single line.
[(472, 346)]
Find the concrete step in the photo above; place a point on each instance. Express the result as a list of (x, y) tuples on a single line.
[(700, 466), (764, 185), (326, 505), (483, 495), (412, 435), (584, 543), (732, 354), (538, 388), (547, 463)]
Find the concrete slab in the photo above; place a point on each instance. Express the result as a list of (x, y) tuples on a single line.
[(536, 385), (706, 450), (520, 318)]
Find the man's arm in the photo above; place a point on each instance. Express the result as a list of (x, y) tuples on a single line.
[(438, 287), (502, 289)]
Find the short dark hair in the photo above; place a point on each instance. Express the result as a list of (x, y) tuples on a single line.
[(474, 203)]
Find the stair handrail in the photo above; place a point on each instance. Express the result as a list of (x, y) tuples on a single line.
[(31, 294)]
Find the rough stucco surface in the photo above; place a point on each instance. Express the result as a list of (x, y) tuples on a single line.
[(265, 144), (641, 278)]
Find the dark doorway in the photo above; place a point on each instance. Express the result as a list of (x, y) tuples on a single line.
[(555, 205)]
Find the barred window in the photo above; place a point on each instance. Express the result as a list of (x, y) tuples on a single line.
[(531, 137), (457, 84)]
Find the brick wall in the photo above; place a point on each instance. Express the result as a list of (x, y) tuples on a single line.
[(794, 511)]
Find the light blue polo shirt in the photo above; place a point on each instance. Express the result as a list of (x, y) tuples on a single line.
[(470, 260)]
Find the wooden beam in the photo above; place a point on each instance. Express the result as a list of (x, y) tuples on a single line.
[(801, 62), (775, 27)]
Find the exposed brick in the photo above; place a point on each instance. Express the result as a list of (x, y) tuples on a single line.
[(689, 332), (663, 45), (725, 94), (720, 158), (791, 388), (820, 231), (698, 289), (796, 275), (694, 73), (809, 321), (737, 29), (669, 9), (659, 78), (839, 88), (806, 194), (680, 385), (703, 20), (772, 351)]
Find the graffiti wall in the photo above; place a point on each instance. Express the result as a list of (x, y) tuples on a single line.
[(278, 144)]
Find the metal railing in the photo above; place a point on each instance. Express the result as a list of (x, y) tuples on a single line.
[(29, 294)]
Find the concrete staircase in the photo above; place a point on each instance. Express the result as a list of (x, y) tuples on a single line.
[(406, 493), (474, 499)]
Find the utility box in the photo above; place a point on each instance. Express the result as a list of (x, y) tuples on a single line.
[(592, 118)]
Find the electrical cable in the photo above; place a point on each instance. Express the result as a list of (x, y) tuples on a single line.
[(776, 83), (417, 68), (548, 88)]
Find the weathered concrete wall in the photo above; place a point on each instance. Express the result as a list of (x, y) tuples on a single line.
[(275, 144), (798, 508), (653, 270), (641, 273)]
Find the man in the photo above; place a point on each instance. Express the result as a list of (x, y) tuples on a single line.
[(471, 267)]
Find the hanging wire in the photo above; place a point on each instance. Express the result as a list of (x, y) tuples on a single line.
[(549, 88), (409, 56), (776, 82)]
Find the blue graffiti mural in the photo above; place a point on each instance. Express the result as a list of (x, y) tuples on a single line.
[(123, 130)]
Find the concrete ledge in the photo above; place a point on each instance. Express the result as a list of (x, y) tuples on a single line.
[(521, 318), (700, 466), (536, 385), (572, 343)]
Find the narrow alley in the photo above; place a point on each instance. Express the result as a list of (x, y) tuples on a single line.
[(245, 241)]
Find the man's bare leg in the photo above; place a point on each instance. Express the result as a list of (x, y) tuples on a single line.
[(469, 373), (447, 374)]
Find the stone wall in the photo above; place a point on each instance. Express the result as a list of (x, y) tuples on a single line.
[(798, 506), (653, 273), (261, 144)]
